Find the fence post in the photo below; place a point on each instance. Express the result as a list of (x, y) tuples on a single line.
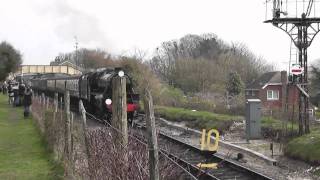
[(43, 102), (61, 108), (152, 136), (67, 124), (72, 135), (43, 99), (84, 128), (67, 140), (71, 143), (54, 124), (47, 103), (119, 110), (55, 101)]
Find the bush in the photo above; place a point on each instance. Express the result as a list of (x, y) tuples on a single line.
[(270, 122), (199, 104), (170, 96), (274, 128), (306, 147), (142, 77)]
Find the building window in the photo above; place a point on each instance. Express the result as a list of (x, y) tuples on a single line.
[(253, 93), (272, 95), (247, 93)]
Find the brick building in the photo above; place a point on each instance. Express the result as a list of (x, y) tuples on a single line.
[(271, 88)]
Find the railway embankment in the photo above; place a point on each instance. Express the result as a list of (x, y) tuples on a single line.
[(23, 151)]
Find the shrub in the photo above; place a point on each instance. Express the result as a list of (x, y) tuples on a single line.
[(198, 103), (305, 147), (171, 97)]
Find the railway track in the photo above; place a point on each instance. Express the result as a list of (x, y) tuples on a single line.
[(189, 156)]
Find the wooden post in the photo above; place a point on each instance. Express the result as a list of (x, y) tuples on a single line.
[(60, 109), (71, 132), (55, 143), (67, 125), (43, 97), (55, 101), (47, 103), (71, 143), (40, 99), (84, 124), (119, 111), (152, 137), (43, 102), (84, 127)]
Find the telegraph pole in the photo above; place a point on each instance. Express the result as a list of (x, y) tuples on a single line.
[(302, 30), (76, 46)]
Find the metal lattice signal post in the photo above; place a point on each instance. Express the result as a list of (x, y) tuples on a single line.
[(302, 32)]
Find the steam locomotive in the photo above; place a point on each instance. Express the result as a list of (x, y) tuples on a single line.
[(94, 89)]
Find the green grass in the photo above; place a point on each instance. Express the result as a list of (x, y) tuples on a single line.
[(207, 120), (275, 124), (306, 147), (23, 153), (317, 114), (196, 119)]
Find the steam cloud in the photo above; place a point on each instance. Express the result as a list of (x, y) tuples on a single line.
[(70, 22)]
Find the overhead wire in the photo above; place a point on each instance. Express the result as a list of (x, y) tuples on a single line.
[(309, 7)]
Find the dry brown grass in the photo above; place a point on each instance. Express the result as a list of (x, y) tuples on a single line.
[(105, 160)]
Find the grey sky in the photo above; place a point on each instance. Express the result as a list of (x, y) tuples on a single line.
[(42, 29)]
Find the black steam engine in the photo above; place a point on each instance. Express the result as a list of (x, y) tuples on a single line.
[(94, 89)]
